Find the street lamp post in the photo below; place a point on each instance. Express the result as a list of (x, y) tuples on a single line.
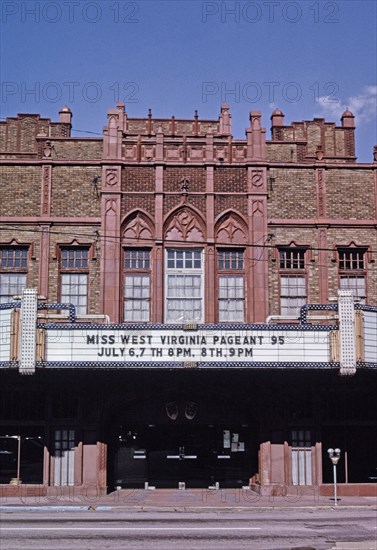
[(334, 456)]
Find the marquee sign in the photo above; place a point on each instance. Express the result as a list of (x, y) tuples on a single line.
[(5, 331), (370, 335), (204, 346)]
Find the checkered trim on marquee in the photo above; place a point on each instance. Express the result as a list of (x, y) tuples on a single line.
[(145, 365), (42, 305)]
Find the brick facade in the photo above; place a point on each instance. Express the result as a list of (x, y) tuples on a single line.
[(294, 188)]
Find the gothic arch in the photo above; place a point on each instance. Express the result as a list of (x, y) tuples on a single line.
[(137, 226), (184, 224), (231, 228)]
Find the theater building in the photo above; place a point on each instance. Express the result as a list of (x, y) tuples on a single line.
[(181, 308)]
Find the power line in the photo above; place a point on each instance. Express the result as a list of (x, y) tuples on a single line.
[(96, 236)]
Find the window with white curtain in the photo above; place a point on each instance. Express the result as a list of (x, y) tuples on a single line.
[(137, 297), (293, 293), (184, 285), (352, 273), (74, 265), (231, 285), (13, 268)]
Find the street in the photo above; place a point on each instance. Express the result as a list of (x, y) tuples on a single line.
[(275, 529)]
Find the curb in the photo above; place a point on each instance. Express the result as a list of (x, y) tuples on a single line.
[(194, 509), (18, 508)]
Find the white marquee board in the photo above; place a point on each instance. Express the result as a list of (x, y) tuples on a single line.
[(370, 336), (5, 325), (204, 346)]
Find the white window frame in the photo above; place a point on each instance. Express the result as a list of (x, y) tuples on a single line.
[(184, 271), (233, 300), (349, 281), (17, 281), (136, 300), (81, 309), (293, 311)]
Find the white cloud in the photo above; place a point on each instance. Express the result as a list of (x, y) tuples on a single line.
[(363, 105)]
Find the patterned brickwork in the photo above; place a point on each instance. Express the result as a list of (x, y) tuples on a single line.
[(20, 188), (230, 180), (281, 152), (174, 176), (354, 184), (237, 203), (132, 202), (138, 178), (73, 192), (293, 194), (77, 150)]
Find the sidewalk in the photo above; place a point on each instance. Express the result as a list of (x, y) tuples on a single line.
[(182, 500)]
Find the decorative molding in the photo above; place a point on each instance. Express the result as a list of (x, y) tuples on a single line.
[(184, 226), (137, 228), (231, 231)]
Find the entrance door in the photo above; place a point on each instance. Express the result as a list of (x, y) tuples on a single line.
[(198, 456)]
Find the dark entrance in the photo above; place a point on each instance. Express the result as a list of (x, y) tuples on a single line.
[(196, 455), (164, 428)]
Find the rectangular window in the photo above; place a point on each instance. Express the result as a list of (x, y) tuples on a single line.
[(352, 274), (13, 267), (137, 284), (231, 285), (292, 258), (230, 259), (356, 284), (351, 259), (74, 265), (13, 257), (74, 290), (231, 299), (184, 285), (136, 298), (292, 294), (292, 280)]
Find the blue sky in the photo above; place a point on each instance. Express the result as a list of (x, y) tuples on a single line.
[(309, 58)]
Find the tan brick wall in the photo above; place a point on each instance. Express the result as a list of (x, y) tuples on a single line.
[(64, 235), (293, 194), (281, 152), (350, 194), (77, 150), (20, 190), (73, 193), (301, 236), (28, 236), (361, 237)]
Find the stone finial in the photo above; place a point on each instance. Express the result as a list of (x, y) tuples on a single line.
[(348, 119), (65, 115), (277, 118), (375, 153)]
